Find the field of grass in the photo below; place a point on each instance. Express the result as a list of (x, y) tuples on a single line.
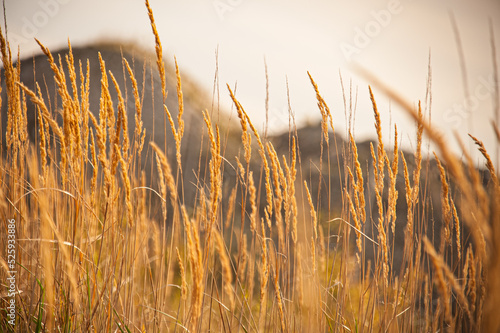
[(252, 253)]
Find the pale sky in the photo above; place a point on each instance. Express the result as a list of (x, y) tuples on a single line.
[(392, 39)]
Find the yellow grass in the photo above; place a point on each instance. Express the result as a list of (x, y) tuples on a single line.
[(90, 257)]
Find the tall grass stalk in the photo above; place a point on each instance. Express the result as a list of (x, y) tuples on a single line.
[(91, 256)]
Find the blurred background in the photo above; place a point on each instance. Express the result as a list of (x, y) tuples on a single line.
[(396, 40)]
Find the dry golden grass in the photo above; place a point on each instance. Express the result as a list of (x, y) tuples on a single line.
[(91, 258)]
